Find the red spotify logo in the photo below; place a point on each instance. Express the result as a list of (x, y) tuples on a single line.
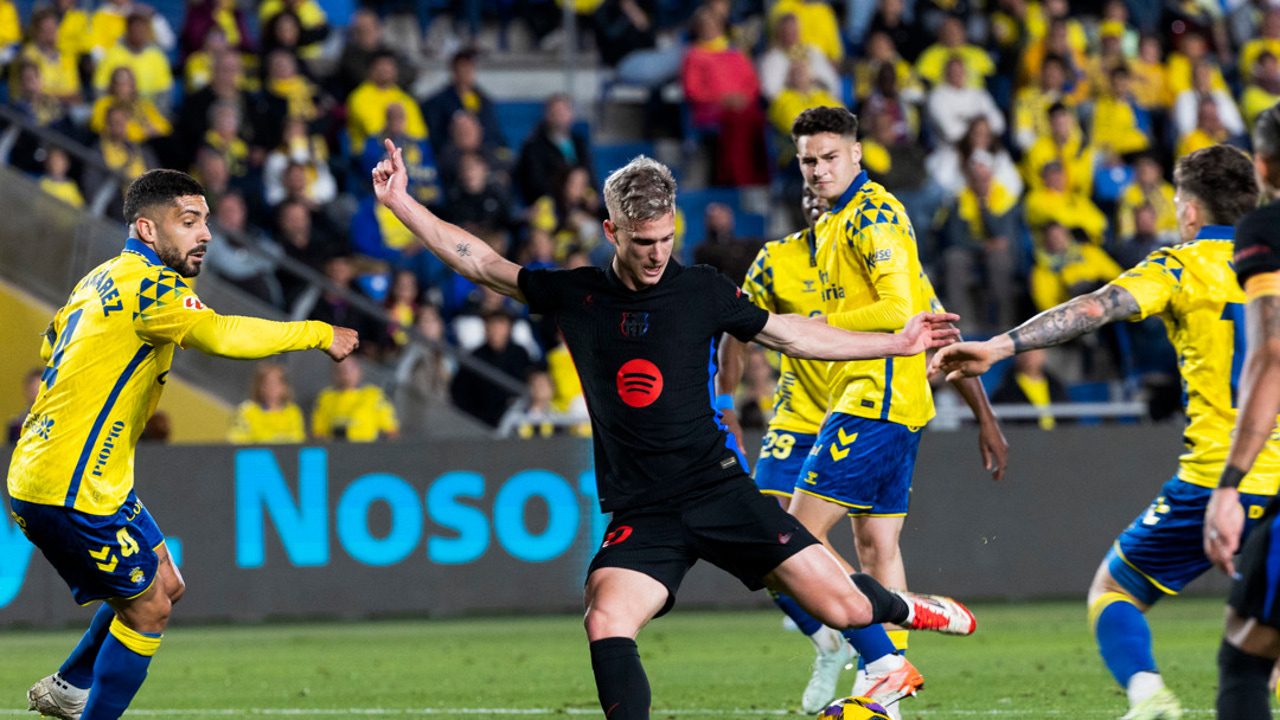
[(639, 383)]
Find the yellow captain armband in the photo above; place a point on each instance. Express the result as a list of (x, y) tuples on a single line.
[(1263, 285)]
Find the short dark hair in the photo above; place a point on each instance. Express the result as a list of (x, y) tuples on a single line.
[(1266, 134), (816, 120), (157, 187), (1221, 178)]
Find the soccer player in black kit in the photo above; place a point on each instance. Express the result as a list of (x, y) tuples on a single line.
[(643, 334)]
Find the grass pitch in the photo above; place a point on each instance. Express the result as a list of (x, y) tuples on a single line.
[(1026, 661)]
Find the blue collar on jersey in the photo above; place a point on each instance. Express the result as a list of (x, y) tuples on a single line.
[(136, 246), (1216, 232), (847, 197)]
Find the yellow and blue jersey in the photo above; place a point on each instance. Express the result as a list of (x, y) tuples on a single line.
[(784, 280), (108, 352), (872, 281), (1192, 287)]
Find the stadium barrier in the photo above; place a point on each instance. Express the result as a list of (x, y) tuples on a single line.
[(509, 526)]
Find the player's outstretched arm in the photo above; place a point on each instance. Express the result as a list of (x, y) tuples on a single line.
[(249, 338), (1259, 403), (813, 339), (1054, 326), (464, 253)]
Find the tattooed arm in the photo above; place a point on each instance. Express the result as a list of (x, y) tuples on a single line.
[(464, 253), (1054, 326)]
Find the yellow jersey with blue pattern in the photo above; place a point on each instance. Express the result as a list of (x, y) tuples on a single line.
[(107, 354), (784, 280), (1192, 287), (872, 281)]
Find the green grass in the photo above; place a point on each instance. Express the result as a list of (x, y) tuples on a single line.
[(1026, 661)]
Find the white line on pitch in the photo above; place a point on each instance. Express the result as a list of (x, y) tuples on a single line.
[(677, 712)]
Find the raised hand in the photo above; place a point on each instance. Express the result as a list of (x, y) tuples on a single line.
[(965, 359), (390, 177), (345, 342), (929, 330)]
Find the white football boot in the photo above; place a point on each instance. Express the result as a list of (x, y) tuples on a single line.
[(54, 697)]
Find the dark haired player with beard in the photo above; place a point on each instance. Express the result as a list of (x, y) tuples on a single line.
[(1192, 287), (1251, 640), (71, 491), (643, 333)]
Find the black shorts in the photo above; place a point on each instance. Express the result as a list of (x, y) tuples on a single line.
[(1256, 591), (731, 525)]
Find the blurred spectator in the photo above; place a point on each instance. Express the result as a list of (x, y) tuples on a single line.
[(869, 74), (1120, 126), (1186, 107), (139, 52), (978, 237), (953, 104), (30, 388), (900, 166), (1053, 202), (624, 27), (462, 93), (567, 398), (532, 416), (262, 114), (1057, 43), (240, 253), (10, 30), (285, 83), (1266, 41), (469, 327), (1066, 146), (1032, 103), (109, 23), (467, 136), (1192, 48), (402, 305), (223, 138), (890, 98), (31, 100), (552, 149), (476, 202), (1029, 383), (145, 119), (946, 164), (817, 23), (197, 71), (892, 21), (59, 75), (755, 395), (313, 24), (297, 185), (351, 411), (1263, 89), (723, 94), (953, 42), (786, 50), (120, 154), (209, 17), (1148, 188), (1150, 77), (73, 28), (801, 92), (419, 159), (423, 371), (1065, 269), (304, 150), (212, 172), (283, 32), (476, 395), (334, 308), (365, 44), (55, 180), (721, 248), (1209, 129), (1142, 239), (368, 103), (269, 416), (293, 231)]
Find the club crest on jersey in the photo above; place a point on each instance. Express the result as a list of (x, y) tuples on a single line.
[(634, 324), (190, 302)]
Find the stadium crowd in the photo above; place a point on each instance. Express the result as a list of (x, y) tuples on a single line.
[(1031, 142)]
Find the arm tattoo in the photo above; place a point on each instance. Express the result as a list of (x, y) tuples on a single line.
[(464, 249), (1074, 318)]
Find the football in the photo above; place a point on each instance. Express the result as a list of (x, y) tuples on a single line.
[(854, 708)]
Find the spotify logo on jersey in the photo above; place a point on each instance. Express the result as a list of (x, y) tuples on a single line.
[(639, 383)]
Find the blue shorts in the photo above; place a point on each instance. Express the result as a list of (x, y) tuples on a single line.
[(99, 556), (782, 455), (1162, 550), (865, 465)]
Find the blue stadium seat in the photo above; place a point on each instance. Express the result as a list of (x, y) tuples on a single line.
[(339, 12), (1089, 392), (607, 157), (518, 118), (693, 203)]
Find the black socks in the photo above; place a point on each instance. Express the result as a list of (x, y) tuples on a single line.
[(621, 684), (886, 606), (1242, 684)]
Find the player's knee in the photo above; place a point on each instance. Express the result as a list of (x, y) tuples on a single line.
[(177, 589), (602, 622)]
